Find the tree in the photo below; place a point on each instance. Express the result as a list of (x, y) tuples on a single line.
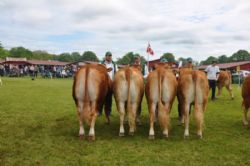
[(241, 55), (65, 57), (89, 56), (3, 52), (42, 55), (129, 57), (223, 59), (209, 60), (183, 60), (75, 56), (169, 56), (21, 52)]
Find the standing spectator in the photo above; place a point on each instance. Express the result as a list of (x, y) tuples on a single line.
[(144, 68), (54, 71), (26, 70), (212, 76), (32, 72), (189, 63), (42, 70), (1, 70), (109, 63), (36, 71)]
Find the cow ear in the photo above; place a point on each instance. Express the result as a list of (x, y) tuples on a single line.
[(109, 69)]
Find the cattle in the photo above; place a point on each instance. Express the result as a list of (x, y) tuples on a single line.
[(225, 80), (128, 87), (160, 91), (1, 83), (193, 90), (246, 98), (90, 88)]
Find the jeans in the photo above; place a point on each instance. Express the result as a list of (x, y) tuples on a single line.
[(212, 85)]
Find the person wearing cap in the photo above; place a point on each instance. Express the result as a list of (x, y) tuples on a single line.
[(163, 60), (189, 63), (137, 61), (109, 63), (212, 76)]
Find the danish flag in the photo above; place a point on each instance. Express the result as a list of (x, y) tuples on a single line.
[(149, 50)]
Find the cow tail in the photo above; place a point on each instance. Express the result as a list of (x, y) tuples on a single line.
[(129, 108), (159, 90), (194, 77), (162, 114), (87, 113)]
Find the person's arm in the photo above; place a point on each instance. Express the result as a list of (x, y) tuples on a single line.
[(206, 70), (217, 73)]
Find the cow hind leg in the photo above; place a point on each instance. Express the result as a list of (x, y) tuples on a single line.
[(198, 114), (80, 118), (132, 118), (164, 119), (92, 121), (229, 89), (121, 109), (152, 108), (219, 90), (245, 119), (186, 120)]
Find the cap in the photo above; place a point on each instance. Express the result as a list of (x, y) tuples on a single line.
[(108, 53), (164, 60)]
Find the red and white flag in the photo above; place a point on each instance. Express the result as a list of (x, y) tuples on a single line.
[(149, 50)]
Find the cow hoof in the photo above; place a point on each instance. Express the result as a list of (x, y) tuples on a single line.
[(91, 138), (139, 123), (232, 98), (131, 133), (121, 134), (200, 136), (245, 123), (107, 121), (186, 136), (151, 137), (81, 137), (165, 136)]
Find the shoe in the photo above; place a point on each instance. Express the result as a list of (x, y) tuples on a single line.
[(213, 99)]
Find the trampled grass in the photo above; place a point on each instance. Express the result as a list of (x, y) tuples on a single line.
[(38, 125)]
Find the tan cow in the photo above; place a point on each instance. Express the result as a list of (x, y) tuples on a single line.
[(225, 80), (91, 86), (246, 98), (160, 91), (192, 89), (128, 92)]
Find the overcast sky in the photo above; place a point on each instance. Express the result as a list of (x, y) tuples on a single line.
[(187, 28)]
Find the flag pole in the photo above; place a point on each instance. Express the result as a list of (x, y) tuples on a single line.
[(148, 58)]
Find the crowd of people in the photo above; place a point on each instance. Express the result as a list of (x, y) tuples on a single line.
[(35, 70)]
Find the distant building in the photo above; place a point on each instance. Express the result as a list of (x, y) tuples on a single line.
[(24, 61), (232, 66)]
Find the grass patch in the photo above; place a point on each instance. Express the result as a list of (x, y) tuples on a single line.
[(38, 125)]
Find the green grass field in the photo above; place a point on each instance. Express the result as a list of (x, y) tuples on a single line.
[(38, 125)]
